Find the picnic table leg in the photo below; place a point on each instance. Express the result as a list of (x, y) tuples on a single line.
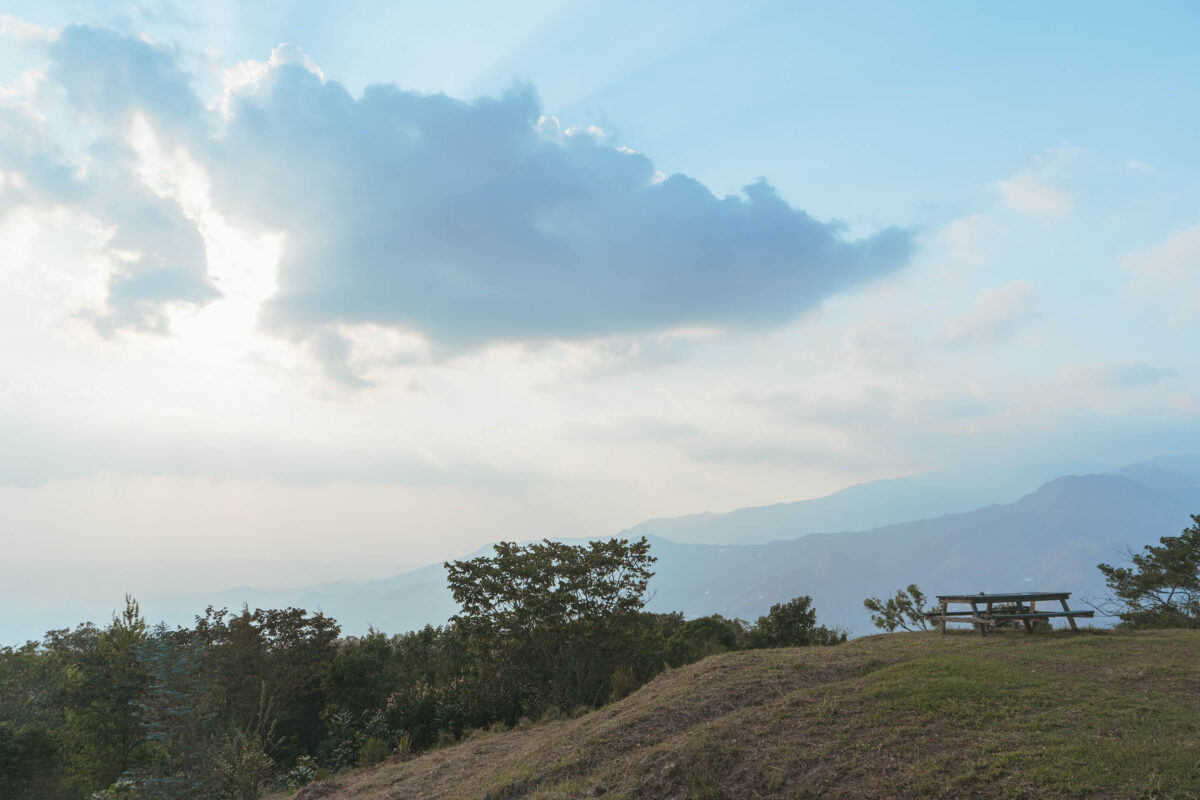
[(942, 625), (1028, 622), (979, 626), (1071, 620)]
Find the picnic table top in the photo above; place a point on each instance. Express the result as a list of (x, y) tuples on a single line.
[(1012, 597)]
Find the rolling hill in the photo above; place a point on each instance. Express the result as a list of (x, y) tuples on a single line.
[(1097, 714)]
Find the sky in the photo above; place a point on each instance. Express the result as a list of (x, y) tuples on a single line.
[(301, 291)]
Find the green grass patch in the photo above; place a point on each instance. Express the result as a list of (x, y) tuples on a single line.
[(1065, 719)]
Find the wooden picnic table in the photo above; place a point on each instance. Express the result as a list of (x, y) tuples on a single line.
[(1014, 605)]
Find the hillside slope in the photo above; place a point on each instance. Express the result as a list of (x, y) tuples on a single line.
[(1096, 714)]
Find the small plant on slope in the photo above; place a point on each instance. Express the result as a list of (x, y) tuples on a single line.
[(905, 610)]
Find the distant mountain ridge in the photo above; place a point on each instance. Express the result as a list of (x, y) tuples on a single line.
[(1051, 538), (860, 507)]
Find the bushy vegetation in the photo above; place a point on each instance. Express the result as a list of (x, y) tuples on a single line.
[(905, 611), (241, 702), (1162, 587)]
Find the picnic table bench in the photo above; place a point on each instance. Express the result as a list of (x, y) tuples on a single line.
[(1013, 606)]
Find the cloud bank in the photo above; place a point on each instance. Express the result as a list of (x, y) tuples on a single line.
[(463, 222)]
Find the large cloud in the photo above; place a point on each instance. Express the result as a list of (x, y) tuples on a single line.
[(471, 222), (159, 251)]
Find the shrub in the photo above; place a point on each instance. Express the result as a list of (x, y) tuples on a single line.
[(373, 751), (622, 682), (905, 610), (304, 772), (1162, 588), (793, 624)]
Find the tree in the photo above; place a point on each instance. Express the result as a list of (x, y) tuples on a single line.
[(793, 624), (703, 637), (27, 756), (183, 730), (287, 651), (102, 692), (32, 758), (1162, 588), (905, 610), (548, 622)]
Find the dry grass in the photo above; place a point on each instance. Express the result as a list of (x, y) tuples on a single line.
[(1090, 715)]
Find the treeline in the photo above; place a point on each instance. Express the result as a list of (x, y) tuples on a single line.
[(260, 699)]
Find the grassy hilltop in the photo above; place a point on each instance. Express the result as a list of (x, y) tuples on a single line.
[(1098, 714)]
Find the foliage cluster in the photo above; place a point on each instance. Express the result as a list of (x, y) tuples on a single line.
[(1162, 587), (904, 611), (241, 702)]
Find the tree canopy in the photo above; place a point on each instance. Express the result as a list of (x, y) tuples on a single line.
[(551, 621)]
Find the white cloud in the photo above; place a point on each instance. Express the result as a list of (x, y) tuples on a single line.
[(239, 264), (23, 31), (53, 267), (967, 240), (1168, 273), (23, 92), (246, 77), (995, 316), (1138, 167), (1039, 189)]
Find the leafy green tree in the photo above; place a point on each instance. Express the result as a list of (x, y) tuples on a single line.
[(548, 623), (286, 653), (793, 624), (905, 610), (27, 757), (184, 732), (362, 675), (702, 637), (398, 691), (244, 765), (1162, 587), (32, 759), (104, 684), (433, 693)]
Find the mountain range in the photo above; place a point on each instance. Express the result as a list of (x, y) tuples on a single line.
[(1049, 539)]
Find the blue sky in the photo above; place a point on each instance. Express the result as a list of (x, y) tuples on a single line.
[(373, 284)]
